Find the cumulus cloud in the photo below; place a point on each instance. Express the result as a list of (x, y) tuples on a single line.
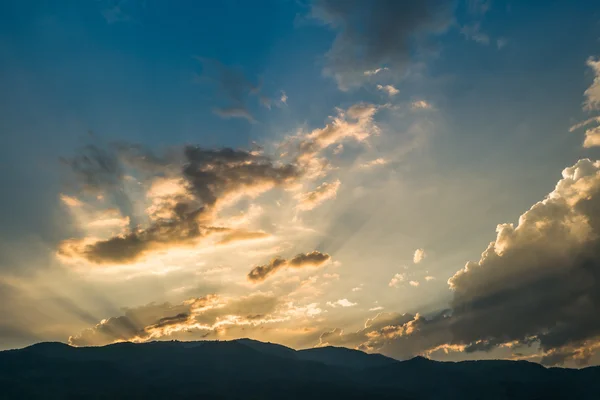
[(537, 283), (312, 259), (413, 283), (419, 256), (389, 89), (397, 279), (341, 303), (372, 35), (325, 191)]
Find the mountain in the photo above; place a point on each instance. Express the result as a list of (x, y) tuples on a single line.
[(344, 357), (249, 369)]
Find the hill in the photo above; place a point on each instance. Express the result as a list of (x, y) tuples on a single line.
[(249, 369)]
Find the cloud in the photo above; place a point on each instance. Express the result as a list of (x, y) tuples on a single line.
[(501, 43), (536, 284), (378, 308), (337, 337), (178, 198), (429, 278), (356, 123), (373, 35), (389, 89), (232, 87), (234, 112), (341, 303), (325, 191), (397, 279), (207, 180), (473, 32), (592, 93), (479, 7), (419, 256), (118, 11), (413, 283), (284, 97), (420, 105), (592, 137), (592, 102), (205, 315), (241, 235), (373, 163), (312, 259), (376, 71)]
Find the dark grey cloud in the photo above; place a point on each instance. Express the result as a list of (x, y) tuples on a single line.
[(537, 284), (210, 176), (312, 258), (262, 272), (371, 35)]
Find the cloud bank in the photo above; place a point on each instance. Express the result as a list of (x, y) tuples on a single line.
[(537, 284)]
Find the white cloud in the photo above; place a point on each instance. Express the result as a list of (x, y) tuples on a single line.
[(429, 278), (396, 280), (413, 283), (389, 89), (341, 303), (419, 256), (375, 71), (379, 308), (420, 105), (373, 163)]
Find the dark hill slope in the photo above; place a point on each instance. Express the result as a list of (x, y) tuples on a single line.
[(248, 369)]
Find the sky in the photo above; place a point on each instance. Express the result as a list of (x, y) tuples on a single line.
[(402, 177)]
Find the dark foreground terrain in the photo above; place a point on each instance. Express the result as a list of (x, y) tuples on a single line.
[(247, 369)]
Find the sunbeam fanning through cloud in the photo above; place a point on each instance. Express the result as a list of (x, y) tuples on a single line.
[(409, 178)]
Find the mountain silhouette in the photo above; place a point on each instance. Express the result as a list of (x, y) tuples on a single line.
[(249, 369)]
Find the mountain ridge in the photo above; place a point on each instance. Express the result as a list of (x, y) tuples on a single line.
[(247, 368)]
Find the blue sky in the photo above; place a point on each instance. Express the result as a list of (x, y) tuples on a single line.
[(468, 110)]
